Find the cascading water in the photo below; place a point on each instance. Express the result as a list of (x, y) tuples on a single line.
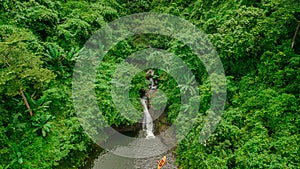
[(147, 120), (149, 75), (152, 87)]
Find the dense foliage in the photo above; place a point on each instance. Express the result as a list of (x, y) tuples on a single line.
[(39, 43)]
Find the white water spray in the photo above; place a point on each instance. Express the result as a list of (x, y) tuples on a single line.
[(153, 86), (147, 120)]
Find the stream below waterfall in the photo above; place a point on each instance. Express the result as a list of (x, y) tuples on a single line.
[(108, 160), (154, 148)]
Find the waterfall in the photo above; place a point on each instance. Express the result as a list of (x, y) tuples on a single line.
[(152, 87), (149, 75), (147, 120)]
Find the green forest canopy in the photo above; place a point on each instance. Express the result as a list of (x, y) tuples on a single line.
[(39, 42)]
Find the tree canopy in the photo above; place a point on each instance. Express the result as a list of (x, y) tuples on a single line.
[(258, 43)]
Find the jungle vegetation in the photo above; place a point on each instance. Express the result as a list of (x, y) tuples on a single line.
[(258, 42)]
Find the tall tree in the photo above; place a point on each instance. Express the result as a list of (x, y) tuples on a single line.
[(21, 67)]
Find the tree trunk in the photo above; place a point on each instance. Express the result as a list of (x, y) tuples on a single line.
[(295, 35), (26, 102)]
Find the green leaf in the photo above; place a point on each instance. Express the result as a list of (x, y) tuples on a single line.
[(20, 161)]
